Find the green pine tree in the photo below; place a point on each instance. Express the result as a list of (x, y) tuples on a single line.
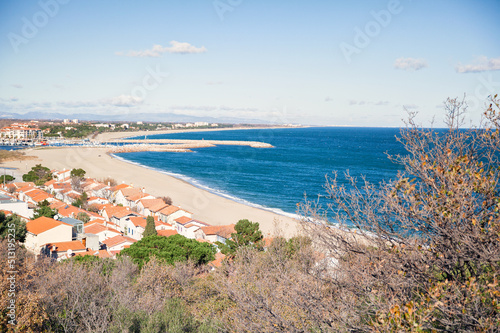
[(150, 229)]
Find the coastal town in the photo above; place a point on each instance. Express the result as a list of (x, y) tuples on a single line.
[(107, 218)]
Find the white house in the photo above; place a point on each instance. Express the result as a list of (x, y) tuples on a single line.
[(187, 227), (170, 213), (45, 230), (61, 175), (14, 205), (150, 206), (118, 243), (103, 232), (215, 233)]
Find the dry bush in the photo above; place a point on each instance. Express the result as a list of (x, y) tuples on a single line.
[(109, 180), (426, 250)]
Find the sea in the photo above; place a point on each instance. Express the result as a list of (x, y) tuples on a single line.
[(280, 178)]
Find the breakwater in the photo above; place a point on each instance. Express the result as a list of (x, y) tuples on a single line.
[(172, 144)]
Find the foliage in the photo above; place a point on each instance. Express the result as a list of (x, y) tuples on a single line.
[(43, 209), (167, 200), (83, 217), (80, 173), (12, 225), (173, 317), (150, 229), (426, 252), (81, 201), (176, 248), (6, 178), (247, 234), (38, 174), (109, 181)]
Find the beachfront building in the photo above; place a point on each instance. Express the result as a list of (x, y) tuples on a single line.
[(215, 233), (188, 227), (170, 213), (151, 207), (61, 175), (45, 230), (24, 131)]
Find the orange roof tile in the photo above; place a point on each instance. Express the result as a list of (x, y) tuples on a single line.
[(169, 210), (119, 187), (130, 191), (138, 196), (139, 221), (221, 230), (113, 241), (167, 233), (153, 204), (65, 246), (183, 220), (97, 228), (42, 224)]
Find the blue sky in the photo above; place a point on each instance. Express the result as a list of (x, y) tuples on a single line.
[(322, 63)]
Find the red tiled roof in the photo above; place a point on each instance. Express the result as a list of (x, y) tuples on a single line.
[(183, 220), (119, 187), (169, 210), (97, 228), (221, 230), (113, 241), (65, 246), (219, 257), (139, 221), (153, 205), (167, 232), (42, 224)]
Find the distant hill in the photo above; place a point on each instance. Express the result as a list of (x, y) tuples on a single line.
[(130, 117)]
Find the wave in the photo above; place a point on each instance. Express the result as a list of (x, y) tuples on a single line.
[(207, 188)]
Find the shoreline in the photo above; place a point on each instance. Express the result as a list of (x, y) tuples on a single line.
[(206, 206), (186, 179)]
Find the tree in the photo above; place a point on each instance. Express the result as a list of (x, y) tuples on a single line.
[(167, 200), (81, 201), (79, 173), (12, 225), (38, 174), (83, 217), (6, 178), (150, 229), (43, 209), (425, 253), (176, 248), (247, 234)]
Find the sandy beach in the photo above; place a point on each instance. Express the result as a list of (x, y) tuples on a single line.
[(204, 205)]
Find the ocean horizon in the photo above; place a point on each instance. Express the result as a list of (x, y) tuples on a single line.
[(279, 178)]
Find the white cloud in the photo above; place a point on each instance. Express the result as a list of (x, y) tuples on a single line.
[(328, 99), (18, 86), (410, 64), (482, 64), (124, 100), (157, 50)]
